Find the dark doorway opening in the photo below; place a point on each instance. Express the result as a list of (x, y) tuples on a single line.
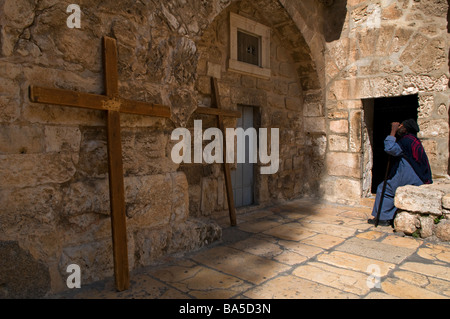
[(384, 111)]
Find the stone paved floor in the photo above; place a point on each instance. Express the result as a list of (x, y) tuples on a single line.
[(296, 250)]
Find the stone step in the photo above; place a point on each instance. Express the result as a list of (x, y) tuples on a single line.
[(367, 202)]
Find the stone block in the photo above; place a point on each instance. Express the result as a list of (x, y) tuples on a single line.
[(149, 200), (355, 131), (144, 152), (426, 226), (363, 88), (252, 97), (294, 104), (441, 184), (193, 234), (338, 52), (86, 197), (153, 200), (214, 70), (333, 115), (88, 54), (264, 84), (95, 259), (23, 170), (9, 100), (349, 104), (339, 126), (285, 69), (209, 196), (276, 101), (294, 90), (341, 190), (338, 143), (22, 275), (343, 164), (430, 147), (331, 70), (248, 81), (426, 105), (419, 199), (313, 109), (183, 102), (433, 128), (446, 201), (314, 125), (16, 16), (93, 158), (414, 83), (391, 85), (58, 138), (384, 40), (442, 230), (376, 250), (414, 49), (339, 90), (150, 244), (180, 197), (367, 37), (318, 144), (406, 222), (203, 84), (20, 205), (21, 139)]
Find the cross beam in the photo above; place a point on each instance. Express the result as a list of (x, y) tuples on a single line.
[(113, 104)]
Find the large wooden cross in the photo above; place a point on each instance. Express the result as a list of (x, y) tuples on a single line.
[(113, 104)]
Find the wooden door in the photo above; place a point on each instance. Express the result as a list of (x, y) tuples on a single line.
[(242, 177)]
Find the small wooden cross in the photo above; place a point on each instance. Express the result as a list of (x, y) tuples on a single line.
[(226, 166), (113, 104)]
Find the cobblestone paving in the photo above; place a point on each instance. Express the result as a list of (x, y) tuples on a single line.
[(300, 250)]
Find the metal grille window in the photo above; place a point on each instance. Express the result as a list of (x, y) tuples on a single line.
[(248, 48)]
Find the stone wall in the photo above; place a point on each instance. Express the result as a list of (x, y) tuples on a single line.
[(325, 56), (385, 49), (53, 160)]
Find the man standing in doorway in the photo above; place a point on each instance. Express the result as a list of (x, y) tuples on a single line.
[(409, 166)]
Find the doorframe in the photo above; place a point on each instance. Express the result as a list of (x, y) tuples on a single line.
[(368, 127)]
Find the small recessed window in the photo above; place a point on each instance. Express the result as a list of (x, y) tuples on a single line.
[(249, 47)]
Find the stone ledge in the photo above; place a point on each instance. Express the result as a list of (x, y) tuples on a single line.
[(424, 210)]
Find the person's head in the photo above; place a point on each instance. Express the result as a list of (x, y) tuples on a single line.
[(408, 126)]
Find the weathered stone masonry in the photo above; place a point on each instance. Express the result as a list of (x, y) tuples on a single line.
[(386, 48), (325, 57)]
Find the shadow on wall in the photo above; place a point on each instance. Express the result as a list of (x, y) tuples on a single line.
[(448, 16), (335, 12), (448, 31)]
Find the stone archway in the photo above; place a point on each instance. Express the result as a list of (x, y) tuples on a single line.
[(291, 99)]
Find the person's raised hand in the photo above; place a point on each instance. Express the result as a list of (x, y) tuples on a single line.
[(394, 127)]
